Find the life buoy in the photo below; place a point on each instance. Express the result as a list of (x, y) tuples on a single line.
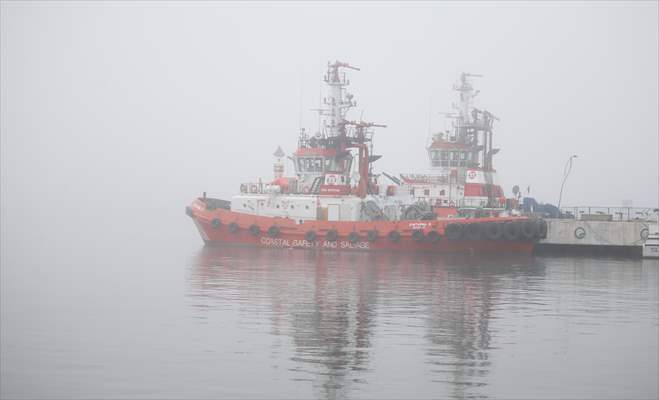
[(273, 231), (645, 233), (332, 235), (451, 203), (453, 231), (310, 236), (234, 227), (493, 230), (472, 231), (215, 223), (434, 237), (528, 229), (330, 180), (372, 235), (418, 235), (511, 230), (580, 233), (394, 236), (255, 230), (353, 237)]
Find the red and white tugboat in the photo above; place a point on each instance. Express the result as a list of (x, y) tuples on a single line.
[(334, 200), (462, 179)]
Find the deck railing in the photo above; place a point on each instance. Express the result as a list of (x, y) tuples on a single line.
[(595, 213)]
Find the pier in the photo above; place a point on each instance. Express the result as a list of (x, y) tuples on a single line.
[(598, 230)]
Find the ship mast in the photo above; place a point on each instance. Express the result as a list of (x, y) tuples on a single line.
[(338, 101)]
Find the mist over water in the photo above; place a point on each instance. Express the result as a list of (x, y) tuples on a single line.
[(114, 116), (192, 321)]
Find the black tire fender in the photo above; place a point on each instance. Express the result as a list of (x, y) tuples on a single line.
[(332, 235), (541, 228), (511, 230), (254, 230), (310, 236), (234, 227), (528, 229), (394, 236), (472, 231), (273, 231), (493, 230), (418, 235), (434, 237), (453, 231)]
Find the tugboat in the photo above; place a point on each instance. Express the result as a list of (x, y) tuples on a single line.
[(462, 180), (334, 200)]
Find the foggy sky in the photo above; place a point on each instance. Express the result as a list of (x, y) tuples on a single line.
[(115, 106)]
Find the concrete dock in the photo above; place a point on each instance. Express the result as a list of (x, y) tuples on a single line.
[(595, 237)]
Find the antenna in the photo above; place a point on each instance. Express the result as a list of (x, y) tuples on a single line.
[(301, 92)]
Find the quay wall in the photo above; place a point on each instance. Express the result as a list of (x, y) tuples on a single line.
[(582, 236)]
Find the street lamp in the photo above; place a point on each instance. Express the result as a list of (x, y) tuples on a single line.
[(566, 172)]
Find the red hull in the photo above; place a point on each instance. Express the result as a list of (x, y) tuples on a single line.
[(292, 235)]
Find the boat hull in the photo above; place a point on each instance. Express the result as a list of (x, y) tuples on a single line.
[(221, 226)]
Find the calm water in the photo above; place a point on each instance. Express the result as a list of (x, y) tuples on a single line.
[(155, 320)]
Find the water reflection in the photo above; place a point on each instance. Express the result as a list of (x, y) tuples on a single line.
[(331, 304)]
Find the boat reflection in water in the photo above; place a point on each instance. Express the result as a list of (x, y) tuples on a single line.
[(335, 305)]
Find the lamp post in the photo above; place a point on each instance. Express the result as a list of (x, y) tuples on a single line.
[(566, 172)]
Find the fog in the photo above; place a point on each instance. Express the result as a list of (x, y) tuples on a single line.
[(114, 111)]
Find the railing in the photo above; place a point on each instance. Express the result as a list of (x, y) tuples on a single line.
[(594, 213)]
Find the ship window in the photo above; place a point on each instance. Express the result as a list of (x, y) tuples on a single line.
[(318, 164), (307, 207), (463, 155), (426, 192), (292, 207), (442, 192), (444, 155), (277, 205), (454, 155)]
